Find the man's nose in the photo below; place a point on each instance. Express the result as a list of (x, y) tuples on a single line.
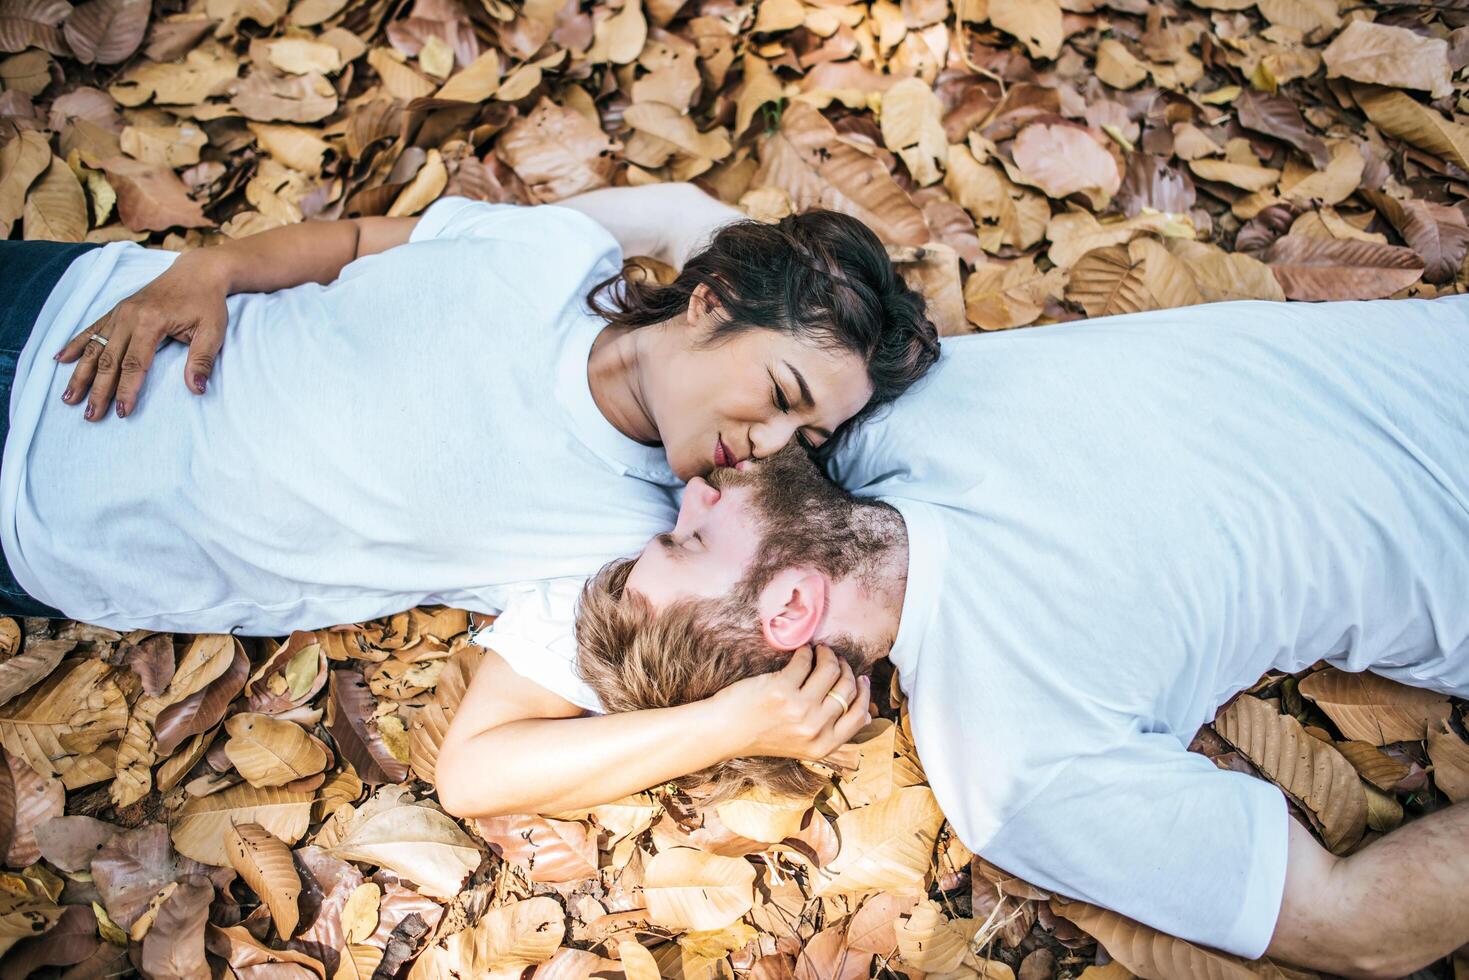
[(698, 497)]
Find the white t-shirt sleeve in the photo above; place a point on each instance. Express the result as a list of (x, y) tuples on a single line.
[(580, 237), (1160, 835), (536, 636)]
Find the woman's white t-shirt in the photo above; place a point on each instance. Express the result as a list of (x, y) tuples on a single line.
[(418, 431)]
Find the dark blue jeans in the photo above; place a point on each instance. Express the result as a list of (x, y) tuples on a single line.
[(28, 273)]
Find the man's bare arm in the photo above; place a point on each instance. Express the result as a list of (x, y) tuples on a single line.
[(515, 747), (1392, 908)]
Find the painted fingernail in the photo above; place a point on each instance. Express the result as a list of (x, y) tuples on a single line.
[(56, 356), (122, 411), (66, 396), (199, 382), (89, 412)]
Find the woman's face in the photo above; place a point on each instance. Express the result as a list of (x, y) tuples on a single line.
[(748, 396)]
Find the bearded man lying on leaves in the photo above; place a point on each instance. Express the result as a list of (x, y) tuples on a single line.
[(1075, 544)]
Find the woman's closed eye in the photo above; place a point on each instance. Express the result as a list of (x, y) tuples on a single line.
[(783, 405)]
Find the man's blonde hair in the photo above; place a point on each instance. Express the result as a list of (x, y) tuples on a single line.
[(635, 658)]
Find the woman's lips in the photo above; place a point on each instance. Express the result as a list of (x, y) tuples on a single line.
[(722, 455)]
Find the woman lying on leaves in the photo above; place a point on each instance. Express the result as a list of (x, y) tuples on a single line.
[(454, 408)]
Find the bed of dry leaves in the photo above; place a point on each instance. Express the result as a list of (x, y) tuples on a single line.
[(185, 805)]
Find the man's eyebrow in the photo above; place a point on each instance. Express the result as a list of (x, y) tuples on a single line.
[(670, 547), (806, 400)]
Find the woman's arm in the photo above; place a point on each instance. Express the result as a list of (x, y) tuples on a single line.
[(514, 747), (186, 303), (667, 222)]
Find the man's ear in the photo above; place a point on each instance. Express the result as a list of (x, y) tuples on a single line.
[(792, 607)]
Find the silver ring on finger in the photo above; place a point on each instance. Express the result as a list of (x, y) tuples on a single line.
[(101, 340)]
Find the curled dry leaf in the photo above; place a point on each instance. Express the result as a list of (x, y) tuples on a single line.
[(509, 938), (1371, 708), (1336, 269), (431, 723), (1310, 770), (353, 724), (1222, 276), (913, 128), (203, 709), (264, 862), (251, 959), (687, 888)]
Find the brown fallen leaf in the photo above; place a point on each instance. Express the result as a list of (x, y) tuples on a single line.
[(886, 846), (1384, 55), (558, 152), (549, 850), (107, 31), (174, 946), (1450, 755), (35, 800), (56, 207), (264, 862), (1062, 160), (509, 938), (1400, 115), (150, 197), (203, 709), (72, 712), (201, 824), (23, 158), (690, 889), (1373, 709), (806, 160), (1310, 770), (24, 670), (1315, 269), (828, 956), (270, 752), (69, 942), (413, 840), (1437, 232), (1150, 954)]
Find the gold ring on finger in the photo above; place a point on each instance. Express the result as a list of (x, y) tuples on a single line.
[(839, 700)]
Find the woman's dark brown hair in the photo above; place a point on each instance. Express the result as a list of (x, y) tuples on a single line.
[(821, 276)]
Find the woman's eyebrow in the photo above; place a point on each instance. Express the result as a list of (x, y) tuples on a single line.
[(806, 400)]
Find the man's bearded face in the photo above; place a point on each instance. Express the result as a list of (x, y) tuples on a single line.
[(735, 532)]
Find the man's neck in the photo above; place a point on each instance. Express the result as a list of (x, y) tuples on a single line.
[(868, 604)]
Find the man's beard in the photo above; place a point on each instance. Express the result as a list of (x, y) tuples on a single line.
[(806, 521)]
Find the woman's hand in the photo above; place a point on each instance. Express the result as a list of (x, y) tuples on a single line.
[(806, 710), (186, 303)]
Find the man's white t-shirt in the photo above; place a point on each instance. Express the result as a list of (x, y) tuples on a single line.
[(420, 430), (1115, 526)]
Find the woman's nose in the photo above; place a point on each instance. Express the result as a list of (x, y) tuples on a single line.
[(769, 438)]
